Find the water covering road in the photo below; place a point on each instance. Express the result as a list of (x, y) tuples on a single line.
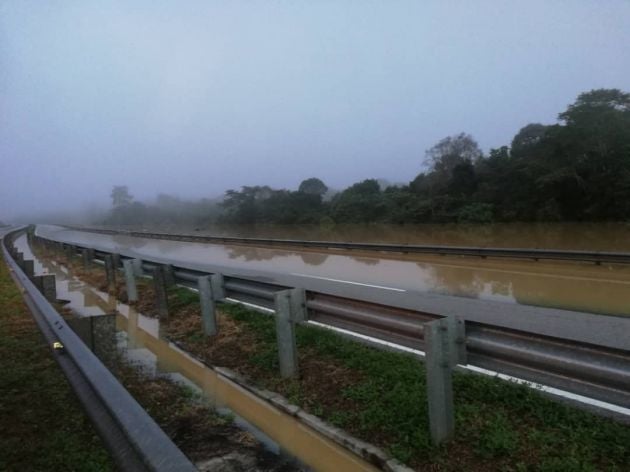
[(586, 287)]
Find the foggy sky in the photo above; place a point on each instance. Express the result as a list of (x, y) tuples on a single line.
[(194, 97)]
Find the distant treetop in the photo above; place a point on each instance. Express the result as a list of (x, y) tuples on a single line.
[(313, 186)]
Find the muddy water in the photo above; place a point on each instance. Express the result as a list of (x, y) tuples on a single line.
[(140, 340), (576, 286), (579, 236)]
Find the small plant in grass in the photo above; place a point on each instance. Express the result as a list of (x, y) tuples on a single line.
[(498, 438), (180, 297), (503, 425)]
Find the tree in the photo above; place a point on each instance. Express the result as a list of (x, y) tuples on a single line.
[(596, 102), (451, 151), (359, 203), (527, 138), (120, 196), (313, 186)]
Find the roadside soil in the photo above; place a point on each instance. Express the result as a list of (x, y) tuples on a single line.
[(213, 442), (375, 395)]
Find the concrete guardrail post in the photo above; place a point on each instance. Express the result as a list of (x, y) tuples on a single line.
[(28, 266), (110, 272), (116, 260), (130, 281), (46, 285), (218, 287), (208, 306), (161, 296), (211, 290), (286, 317), (444, 348), (86, 259), (136, 264), (69, 250), (169, 275)]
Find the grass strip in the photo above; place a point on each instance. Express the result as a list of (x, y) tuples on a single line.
[(380, 397), (43, 425)]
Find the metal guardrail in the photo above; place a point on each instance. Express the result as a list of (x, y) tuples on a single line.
[(132, 437), (515, 253), (581, 368)]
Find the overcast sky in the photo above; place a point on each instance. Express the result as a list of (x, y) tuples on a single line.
[(194, 97)]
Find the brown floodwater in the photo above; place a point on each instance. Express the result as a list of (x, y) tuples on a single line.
[(578, 236), (586, 287), (140, 339)]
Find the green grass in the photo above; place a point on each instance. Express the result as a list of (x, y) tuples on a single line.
[(179, 297), (500, 425), (42, 425)]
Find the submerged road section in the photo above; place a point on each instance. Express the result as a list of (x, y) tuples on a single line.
[(505, 293)]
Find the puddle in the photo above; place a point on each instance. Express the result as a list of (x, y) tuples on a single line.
[(139, 339)]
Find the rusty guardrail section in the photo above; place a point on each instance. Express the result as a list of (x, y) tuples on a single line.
[(516, 253), (134, 440), (590, 370)]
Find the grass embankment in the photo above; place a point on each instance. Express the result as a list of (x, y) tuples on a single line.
[(380, 397), (210, 440), (43, 425)]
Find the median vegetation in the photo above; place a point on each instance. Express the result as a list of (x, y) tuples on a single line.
[(380, 396), (43, 425)]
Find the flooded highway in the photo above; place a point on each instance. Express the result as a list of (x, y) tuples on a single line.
[(139, 339), (608, 236), (603, 289)]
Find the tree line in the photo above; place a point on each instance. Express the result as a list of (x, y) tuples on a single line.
[(575, 170)]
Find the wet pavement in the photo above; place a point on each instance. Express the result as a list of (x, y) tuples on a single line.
[(585, 287)]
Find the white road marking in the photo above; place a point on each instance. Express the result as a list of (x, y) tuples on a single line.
[(250, 305), (472, 368), (350, 282)]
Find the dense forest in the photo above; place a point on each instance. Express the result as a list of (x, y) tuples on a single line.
[(575, 170)]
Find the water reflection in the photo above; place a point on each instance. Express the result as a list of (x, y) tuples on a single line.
[(140, 339), (313, 258), (577, 286), (584, 236)]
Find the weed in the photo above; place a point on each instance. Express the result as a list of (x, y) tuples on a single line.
[(512, 425), (43, 426), (498, 438)]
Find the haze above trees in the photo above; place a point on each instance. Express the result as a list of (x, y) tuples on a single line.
[(576, 170)]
